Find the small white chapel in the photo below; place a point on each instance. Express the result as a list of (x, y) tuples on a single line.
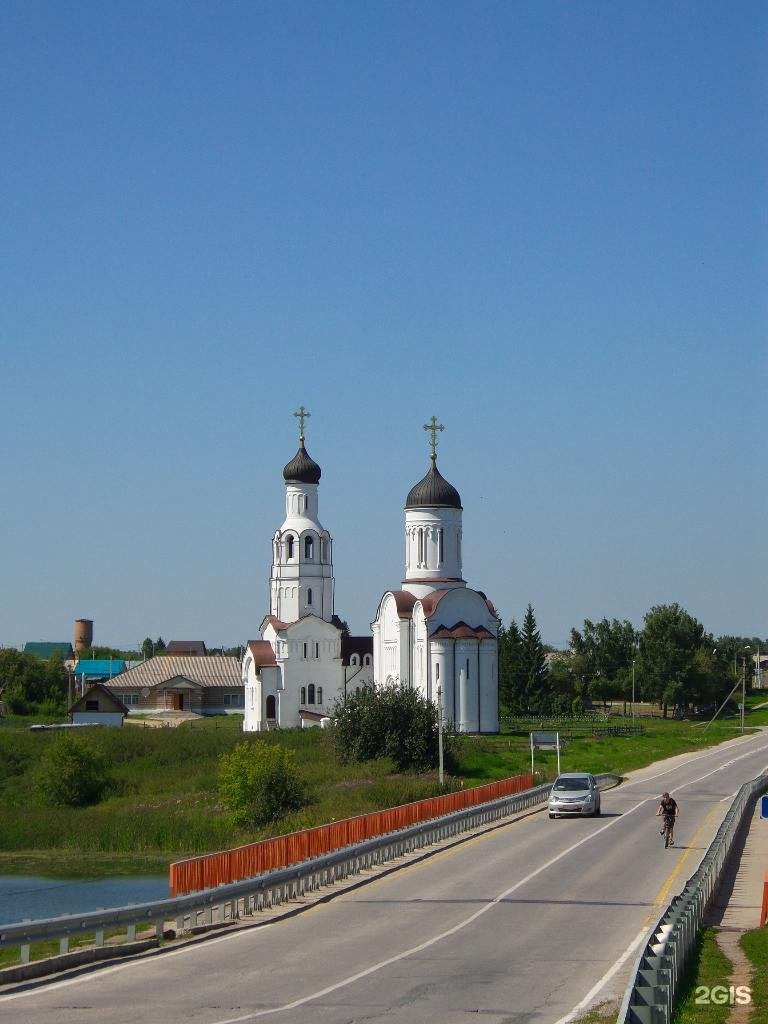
[(304, 662), (435, 633)]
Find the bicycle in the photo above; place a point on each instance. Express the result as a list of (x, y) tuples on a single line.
[(668, 831)]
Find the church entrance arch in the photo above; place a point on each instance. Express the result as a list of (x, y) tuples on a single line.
[(271, 708)]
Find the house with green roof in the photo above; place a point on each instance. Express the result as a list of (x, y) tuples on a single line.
[(45, 649)]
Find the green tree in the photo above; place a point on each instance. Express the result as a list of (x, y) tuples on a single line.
[(29, 683), (602, 658), (533, 666), (511, 680), (71, 773), (671, 670), (259, 782), (393, 722), (147, 647)]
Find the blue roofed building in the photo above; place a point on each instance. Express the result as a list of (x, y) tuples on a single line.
[(97, 670)]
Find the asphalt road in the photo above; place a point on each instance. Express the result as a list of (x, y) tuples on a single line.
[(523, 923)]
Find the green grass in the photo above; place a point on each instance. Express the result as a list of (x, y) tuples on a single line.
[(163, 804), (491, 757), (10, 956), (755, 945), (604, 1013), (708, 966)]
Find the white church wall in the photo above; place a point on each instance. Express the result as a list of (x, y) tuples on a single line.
[(432, 547), (489, 688)]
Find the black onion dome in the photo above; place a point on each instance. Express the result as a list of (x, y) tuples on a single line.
[(302, 469), (433, 490)]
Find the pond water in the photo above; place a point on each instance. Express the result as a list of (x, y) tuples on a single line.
[(25, 897)]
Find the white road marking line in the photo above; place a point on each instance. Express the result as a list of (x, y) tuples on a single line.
[(374, 967), (691, 760), (588, 999)]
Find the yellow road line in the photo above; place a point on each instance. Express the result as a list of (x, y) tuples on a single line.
[(663, 893)]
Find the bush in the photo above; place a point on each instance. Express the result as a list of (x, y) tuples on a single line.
[(392, 722), (259, 782), (71, 773)]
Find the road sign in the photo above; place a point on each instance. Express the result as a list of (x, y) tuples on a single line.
[(764, 807), (547, 740)]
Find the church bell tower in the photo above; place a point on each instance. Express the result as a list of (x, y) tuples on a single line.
[(301, 582)]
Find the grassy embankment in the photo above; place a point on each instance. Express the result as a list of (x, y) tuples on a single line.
[(163, 803), (709, 968)]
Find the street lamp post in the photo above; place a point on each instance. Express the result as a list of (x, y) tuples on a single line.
[(440, 733), (633, 691), (743, 683), (758, 680)]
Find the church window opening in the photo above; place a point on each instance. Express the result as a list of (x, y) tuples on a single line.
[(289, 546), (467, 668), (437, 670), (303, 695), (305, 651), (311, 693), (354, 660), (309, 547), (357, 691), (317, 650), (421, 547), (367, 660), (271, 707), (440, 554), (309, 595), (319, 695)]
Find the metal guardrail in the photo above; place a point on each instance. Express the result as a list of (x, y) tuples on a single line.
[(650, 996), (229, 903)]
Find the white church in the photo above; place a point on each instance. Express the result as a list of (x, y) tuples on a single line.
[(434, 634), (304, 662)]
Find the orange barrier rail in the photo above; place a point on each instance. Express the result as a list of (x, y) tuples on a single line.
[(214, 869), (764, 911)]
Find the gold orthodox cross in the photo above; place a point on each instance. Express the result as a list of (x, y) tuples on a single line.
[(433, 426), (304, 415)]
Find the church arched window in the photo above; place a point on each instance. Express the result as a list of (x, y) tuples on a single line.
[(289, 546), (303, 695), (367, 660), (354, 660), (319, 695), (309, 595), (309, 548), (440, 553), (311, 693)]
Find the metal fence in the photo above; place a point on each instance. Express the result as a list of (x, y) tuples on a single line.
[(230, 903), (204, 872), (650, 996)]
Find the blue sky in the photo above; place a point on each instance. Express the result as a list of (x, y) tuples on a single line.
[(545, 223)]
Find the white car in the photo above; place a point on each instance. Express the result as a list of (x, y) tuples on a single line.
[(574, 793)]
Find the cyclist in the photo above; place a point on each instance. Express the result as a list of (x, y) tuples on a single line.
[(669, 809)]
